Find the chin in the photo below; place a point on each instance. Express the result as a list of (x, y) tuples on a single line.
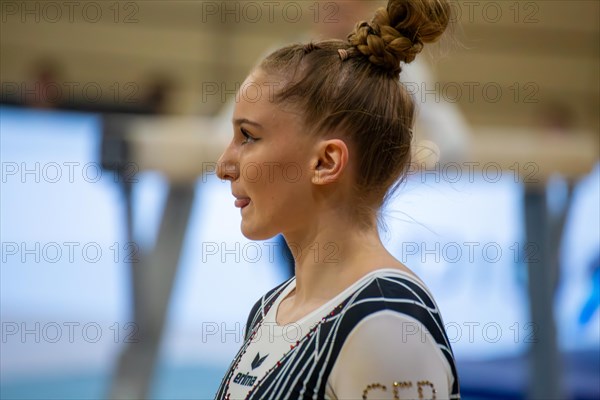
[(256, 234)]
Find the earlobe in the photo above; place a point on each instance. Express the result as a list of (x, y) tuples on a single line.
[(315, 178)]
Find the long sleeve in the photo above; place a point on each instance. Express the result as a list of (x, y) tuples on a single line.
[(389, 355)]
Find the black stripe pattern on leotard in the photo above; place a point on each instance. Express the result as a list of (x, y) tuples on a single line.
[(303, 373)]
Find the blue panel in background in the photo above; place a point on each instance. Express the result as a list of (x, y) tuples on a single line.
[(61, 289)]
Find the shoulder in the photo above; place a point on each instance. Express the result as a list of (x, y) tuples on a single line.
[(392, 323), (389, 348), (394, 291)]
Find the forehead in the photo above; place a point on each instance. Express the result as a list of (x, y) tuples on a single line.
[(255, 102)]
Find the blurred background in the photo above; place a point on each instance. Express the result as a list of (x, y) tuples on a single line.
[(120, 271)]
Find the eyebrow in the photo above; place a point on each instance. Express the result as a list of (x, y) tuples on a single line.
[(240, 121)]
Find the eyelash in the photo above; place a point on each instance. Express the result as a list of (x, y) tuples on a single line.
[(247, 136)]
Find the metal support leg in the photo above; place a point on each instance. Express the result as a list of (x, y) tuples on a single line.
[(544, 357), (152, 279)]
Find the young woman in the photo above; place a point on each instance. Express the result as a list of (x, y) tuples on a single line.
[(322, 135)]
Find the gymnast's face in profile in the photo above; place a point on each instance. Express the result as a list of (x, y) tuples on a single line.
[(268, 161)]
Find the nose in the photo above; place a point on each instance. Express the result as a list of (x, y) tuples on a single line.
[(227, 167)]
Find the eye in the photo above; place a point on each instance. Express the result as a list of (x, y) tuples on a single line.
[(248, 138)]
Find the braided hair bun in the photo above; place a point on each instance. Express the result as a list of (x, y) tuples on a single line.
[(397, 33)]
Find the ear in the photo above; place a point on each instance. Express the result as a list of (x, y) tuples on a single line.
[(330, 161)]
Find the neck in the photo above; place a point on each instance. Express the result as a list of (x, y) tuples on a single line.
[(330, 255)]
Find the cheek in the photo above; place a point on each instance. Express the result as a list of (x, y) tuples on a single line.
[(278, 179), (251, 173), (276, 166), (289, 176), (291, 193), (282, 187), (277, 174)]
